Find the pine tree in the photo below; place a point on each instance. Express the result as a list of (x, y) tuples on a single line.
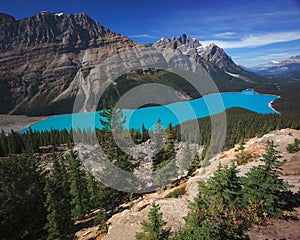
[(164, 162), (293, 147), (167, 153), (154, 228), (216, 212), (264, 190), (93, 191), (145, 134), (78, 187), (15, 143), (194, 164), (186, 158), (113, 120), (4, 142), (59, 220), (2, 152), (22, 211), (101, 219), (169, 147)]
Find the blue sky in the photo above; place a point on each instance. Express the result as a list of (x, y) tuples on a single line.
[(251, 32)]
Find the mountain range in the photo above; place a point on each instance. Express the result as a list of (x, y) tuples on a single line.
[(47, 59), (288, 67)]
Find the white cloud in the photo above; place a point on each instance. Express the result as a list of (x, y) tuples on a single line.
[(143, 35), (280, 13), (258, 40), (225, 35), (276, 56), (254, 58)]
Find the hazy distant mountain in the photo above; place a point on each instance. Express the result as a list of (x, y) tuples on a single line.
[(277, 68), (47, 58)]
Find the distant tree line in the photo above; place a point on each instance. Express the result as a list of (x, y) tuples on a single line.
[(241, 124)]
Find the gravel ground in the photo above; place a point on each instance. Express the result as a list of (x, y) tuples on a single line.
[(17, 122)]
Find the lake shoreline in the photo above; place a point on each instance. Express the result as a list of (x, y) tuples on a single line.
[(21, 122), (270, 103), (18, 122)]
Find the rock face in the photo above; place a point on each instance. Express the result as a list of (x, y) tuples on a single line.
[(41, 55), (212, 57), (49, 58)]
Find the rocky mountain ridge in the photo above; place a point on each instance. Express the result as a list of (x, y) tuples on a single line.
[(77, 31), (191, 47), (41, 55), (48, 59)]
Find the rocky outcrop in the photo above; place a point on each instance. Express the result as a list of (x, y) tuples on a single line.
[(41, 55), (125, 224)]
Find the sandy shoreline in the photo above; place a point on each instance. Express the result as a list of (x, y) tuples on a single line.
[(270, 103), (17, 122), (271, 106)]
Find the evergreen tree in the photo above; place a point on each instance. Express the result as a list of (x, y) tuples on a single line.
[(78, 187), (101, 219), (216, 212), (15, 143), (186, 158), (264, 190), (2, 152), (112, 119), (158, 135), (167, 153), (164, 162), (195, 164), (293, 147), (59, 220), (241, 145), (31, 145), (169, 147), (22, 211), (4, 142), (154, 227), (93, 191), (145, 134)]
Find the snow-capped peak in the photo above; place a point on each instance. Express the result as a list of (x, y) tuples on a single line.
[(59, 14)]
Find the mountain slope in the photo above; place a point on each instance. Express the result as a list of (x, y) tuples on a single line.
[(213, 58), (40, 56), (45, 60)]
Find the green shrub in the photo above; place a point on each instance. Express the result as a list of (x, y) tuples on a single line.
[(244, 157), (293, 147), (176, 193)]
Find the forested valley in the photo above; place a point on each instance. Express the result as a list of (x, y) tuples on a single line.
[(43, 198)]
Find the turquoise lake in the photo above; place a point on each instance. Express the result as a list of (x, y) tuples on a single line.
[(175, 113)]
